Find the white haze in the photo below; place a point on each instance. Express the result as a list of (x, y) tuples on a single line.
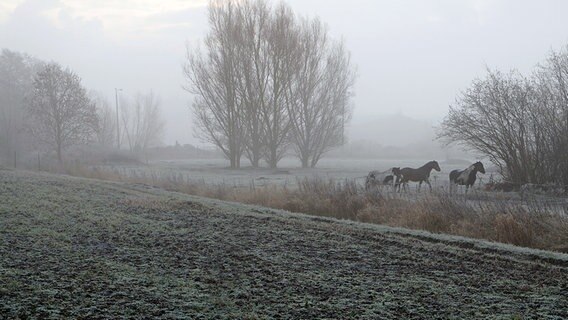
[(413, 56)]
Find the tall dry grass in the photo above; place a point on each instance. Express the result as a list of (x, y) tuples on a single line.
[(531, 224)]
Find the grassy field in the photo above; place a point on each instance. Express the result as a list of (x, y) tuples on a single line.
[(215, 171), (79, 248), (538, 221)]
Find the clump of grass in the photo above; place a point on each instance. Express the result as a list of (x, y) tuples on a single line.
[(522, 225), (529, 224), (325, 198)]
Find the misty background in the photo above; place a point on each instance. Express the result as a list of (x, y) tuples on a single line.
[(413, 57)]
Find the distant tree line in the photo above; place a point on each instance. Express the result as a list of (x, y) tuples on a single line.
[(519, 122), (268, 82), (44, 107)]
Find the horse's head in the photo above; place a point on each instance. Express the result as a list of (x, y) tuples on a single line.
[(396, 171), (435, 166), (479, 167)]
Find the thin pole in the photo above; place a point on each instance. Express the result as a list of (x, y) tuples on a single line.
[(117, 121), (343, 125)]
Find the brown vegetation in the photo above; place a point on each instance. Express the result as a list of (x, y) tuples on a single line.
[(531, 224)]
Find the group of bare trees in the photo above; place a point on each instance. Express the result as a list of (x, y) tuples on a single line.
[(140, 120), (142, 123), (17, 72), (520, 123), (45, 107), (268, 82)]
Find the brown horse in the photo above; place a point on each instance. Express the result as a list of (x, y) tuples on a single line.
[(419, 175)]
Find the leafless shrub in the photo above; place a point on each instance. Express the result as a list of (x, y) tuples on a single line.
[(520, 123)]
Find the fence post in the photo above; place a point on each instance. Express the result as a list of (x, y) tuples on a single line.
[(15, 159), (38, 162)]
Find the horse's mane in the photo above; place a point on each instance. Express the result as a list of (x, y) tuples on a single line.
[(464, 175), (428, 164)]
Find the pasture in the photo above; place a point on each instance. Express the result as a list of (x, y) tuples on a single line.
[(215, 171), (336, 189), (82, 248)]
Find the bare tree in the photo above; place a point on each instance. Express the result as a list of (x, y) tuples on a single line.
[(62, 114), (17, 72), (552, 83), (106, 126), (519, 123), (212, 78), (318, 99), (488, 118), (284, 56), (142, 122), (252, 74), (267, 50)]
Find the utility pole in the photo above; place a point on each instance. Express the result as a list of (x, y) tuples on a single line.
[(117, 121)]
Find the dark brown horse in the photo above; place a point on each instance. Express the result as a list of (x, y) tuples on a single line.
[(419, 175), (466, 177)]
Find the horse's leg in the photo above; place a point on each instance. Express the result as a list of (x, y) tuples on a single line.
[(429, 185), (419, 185), (401, 186)]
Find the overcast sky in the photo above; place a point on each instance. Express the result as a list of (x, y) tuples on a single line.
[(413, 56)]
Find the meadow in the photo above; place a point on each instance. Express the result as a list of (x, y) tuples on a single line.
[(88, 249), (335, 189)]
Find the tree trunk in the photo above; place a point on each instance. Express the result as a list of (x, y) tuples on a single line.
[(59, 155), (234, 161), (255, 161), (305, 161), (273, 163), (273, 158)]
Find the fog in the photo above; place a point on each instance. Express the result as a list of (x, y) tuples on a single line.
[(296, 159), (412, 57)]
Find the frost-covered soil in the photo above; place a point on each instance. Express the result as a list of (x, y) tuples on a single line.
[(77, 248)]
